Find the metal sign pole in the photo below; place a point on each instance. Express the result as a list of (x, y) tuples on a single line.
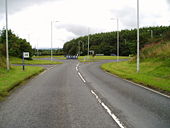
[(23, 66)]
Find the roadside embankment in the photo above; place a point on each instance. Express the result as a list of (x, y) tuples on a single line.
[(154, 68)]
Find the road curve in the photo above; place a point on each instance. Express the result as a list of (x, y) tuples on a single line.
[(75, 95), (135, 106), (57, 98)]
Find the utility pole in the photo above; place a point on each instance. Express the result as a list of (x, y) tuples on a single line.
[(138, 59), (7, 54)]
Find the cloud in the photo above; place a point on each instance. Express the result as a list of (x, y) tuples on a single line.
[(78, 30), (168, 1), (18, 5), (127, 16)]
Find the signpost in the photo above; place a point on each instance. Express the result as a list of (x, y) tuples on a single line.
[(25, 55)]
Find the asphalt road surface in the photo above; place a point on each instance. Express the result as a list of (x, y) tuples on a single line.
[(75, 95)]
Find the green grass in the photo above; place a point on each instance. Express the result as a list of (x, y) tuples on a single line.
[(154, 74), (56, 57), (10, 79), (14, 60), (154, 67), (98, 58)]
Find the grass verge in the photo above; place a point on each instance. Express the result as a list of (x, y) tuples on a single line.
[(14, 60), (56, 57), (154, 74), (98, 58), (10, 79)]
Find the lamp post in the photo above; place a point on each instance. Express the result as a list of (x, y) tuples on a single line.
[(52, 39), (138, 59), (117, 37), (125, 41), (151, 33), (80, 47), (88, 43), (7, 54)]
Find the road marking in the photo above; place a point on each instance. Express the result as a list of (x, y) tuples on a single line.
[(81, 77), (149, 89), (114, 117), (43, 72), (77, 65), (76, 69), (51, 67), (108, 110)]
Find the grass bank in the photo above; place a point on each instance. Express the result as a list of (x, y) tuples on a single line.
[(10, 79), (14, 60), (98, 58), (154, 68)]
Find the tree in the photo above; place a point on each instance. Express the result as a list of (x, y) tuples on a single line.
[(16, 45)]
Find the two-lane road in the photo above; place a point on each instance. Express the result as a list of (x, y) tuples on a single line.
[(56, 98), (83, 96)]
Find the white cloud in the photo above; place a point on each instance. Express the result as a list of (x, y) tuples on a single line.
[(33, 17)]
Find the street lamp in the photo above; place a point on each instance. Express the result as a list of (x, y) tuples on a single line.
[(7, 54), (117, 37), (52, 39), (88, 43), (138, 61), (125, 41), (79, 46), (151, 33)]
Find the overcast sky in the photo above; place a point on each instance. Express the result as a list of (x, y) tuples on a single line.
[(31, 19)]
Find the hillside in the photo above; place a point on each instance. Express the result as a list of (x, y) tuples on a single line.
[(154, 67), (106, 43)]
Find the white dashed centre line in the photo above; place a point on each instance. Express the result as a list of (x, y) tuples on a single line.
[(81, 77), (114, 117), (108, 110)]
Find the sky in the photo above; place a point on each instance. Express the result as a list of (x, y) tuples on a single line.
[(31, 19)]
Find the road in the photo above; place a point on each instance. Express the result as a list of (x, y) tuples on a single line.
[(83, 96)]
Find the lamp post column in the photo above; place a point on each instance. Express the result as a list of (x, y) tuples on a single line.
[(7, 53), (138, 59)]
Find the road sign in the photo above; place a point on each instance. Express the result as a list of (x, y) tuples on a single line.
[(26, 55)]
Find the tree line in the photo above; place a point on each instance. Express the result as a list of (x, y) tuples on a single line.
[(106, 43), (16, 44)]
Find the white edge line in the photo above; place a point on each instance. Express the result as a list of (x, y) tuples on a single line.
[(43, 72), (108, 110), (140, 85), (81, 77), (51, 67)]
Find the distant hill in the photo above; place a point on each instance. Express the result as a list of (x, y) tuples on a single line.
[(106, 43)]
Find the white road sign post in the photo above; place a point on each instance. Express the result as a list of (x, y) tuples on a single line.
[(25, 55)]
